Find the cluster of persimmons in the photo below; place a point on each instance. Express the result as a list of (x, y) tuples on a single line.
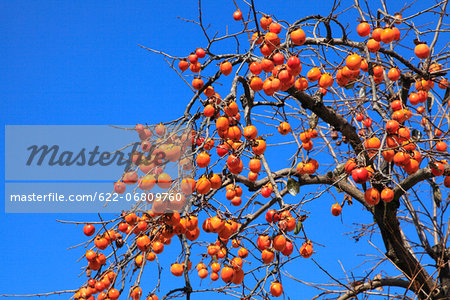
[(276, 70)]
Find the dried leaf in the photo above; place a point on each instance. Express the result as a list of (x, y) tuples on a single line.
[(416, 134), (430, 101), (362, 92), (298, 227), (437, 195), (378, 277), (430, 95), (313, 120), (293, 186), (446, 96), (339, 169)]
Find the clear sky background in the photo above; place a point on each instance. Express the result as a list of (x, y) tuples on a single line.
[(73, 62)]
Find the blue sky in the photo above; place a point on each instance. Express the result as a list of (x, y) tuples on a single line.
[(72, 62)]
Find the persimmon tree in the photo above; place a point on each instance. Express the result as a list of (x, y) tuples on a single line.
[(360, 111)]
